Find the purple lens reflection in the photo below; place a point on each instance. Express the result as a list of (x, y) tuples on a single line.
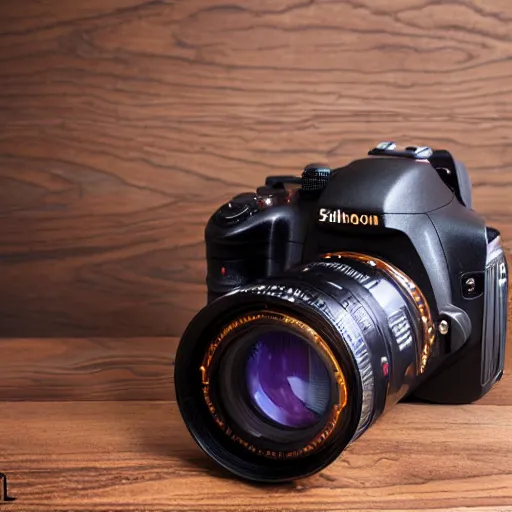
[(287, 380)]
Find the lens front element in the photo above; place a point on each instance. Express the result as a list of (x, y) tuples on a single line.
[(287, 380), (273, 385)]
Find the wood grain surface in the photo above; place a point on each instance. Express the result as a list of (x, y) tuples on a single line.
[(137, 456), (104, 369), (87, 369), (124, 123)]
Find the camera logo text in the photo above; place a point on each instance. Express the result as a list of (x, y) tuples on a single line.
[(338, 216)]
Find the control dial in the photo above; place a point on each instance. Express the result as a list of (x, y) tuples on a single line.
[(315, 177), (237, 210)]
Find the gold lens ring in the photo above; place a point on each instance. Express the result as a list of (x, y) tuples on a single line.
[(411, 290), (315, 340)]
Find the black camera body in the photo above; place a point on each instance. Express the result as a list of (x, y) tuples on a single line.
[(411, 208), (331, 297)]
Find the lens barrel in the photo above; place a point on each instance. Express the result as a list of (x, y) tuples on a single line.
[(276, 378)]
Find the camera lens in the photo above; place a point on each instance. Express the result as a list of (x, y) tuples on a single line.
[(287, 380), (276, 378), (275, 382)]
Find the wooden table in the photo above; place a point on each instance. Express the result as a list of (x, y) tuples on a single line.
[(100, 447)]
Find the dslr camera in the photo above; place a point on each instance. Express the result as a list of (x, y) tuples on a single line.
[(332, 296)]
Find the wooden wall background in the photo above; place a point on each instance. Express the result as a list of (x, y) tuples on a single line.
[(124, 123)]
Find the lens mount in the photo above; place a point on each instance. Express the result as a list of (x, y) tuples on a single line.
[(410, 288)]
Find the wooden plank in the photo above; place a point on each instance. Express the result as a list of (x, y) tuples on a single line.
[(125, 123), (87, 369), (133, 456)]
